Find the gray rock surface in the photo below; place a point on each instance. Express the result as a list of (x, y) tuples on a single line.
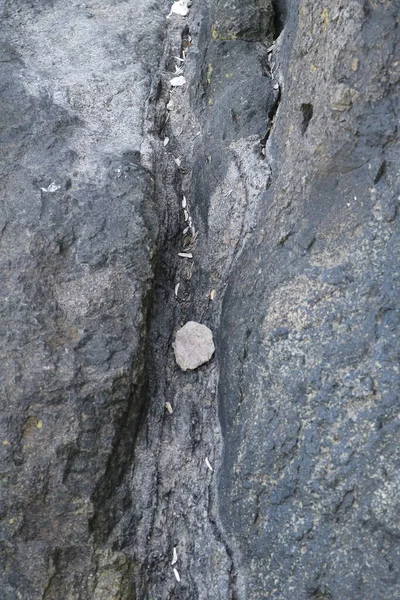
[(308, 386), (79, 224), (193, 345), (288, 159)]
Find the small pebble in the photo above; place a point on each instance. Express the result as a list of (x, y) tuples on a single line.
[(178, 81), (208, 465), (193, 345)]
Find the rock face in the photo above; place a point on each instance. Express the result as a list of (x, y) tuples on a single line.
[(79, 224), (284, 143), (193, 346), (309, 334)]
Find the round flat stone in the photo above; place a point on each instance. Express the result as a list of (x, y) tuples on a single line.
[(193, 345)]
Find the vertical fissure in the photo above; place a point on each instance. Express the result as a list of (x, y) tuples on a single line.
[(205, 161)]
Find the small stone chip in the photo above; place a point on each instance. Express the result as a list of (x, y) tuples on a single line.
[(208, 464), (193, 345), (180, 7), (178, 81)]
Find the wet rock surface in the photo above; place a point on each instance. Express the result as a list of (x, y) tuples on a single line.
[(276, 473)]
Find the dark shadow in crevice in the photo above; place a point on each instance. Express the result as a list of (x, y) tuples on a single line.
[(308, 111), (270, 123), (279, 7), (380, 173)]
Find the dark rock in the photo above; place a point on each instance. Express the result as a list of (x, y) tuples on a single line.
[(251, 20), (338, 481), (276, 474), (78, 230)]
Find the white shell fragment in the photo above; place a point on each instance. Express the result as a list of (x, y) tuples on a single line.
[(178, 81), (212, 294), (208, 465), (166, 141), (177, 576), (180, 7), (185, 254), (178, 161), (170, 105), (52, 188), (177, 289), (169, 408), (174, 557), (276, 86), (193, 345), (184, 202)]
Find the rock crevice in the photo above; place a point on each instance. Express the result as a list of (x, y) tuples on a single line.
[(256, 195)]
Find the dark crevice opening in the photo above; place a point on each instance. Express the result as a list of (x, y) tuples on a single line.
[(308, 111), (270, 123), (380, 173), (279, 7)]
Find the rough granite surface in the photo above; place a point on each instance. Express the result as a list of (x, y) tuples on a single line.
[(276, 475)]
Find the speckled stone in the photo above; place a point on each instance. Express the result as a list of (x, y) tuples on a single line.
[(193, 345)]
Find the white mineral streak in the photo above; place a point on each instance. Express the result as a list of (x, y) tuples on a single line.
[(193, 345), (208, 465)]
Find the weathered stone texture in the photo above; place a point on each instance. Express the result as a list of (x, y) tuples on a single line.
[(78, 229), (309, 380), (193, 345), (288, 161)]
